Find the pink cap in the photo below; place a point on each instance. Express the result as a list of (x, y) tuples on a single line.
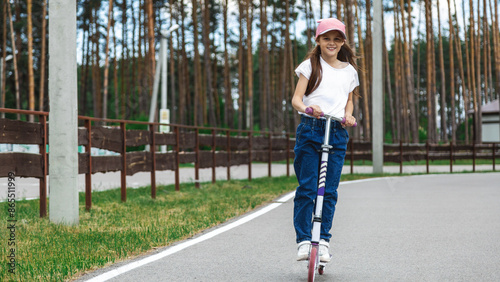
[(326, 25)]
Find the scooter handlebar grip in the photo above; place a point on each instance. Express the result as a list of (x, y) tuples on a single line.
[(354, 125)]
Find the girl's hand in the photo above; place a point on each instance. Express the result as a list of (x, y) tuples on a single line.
[(349, 120), (314, 111)]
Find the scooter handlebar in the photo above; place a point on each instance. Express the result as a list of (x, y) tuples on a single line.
[(310, 111)]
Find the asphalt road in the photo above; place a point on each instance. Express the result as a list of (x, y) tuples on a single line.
[(416, 228)]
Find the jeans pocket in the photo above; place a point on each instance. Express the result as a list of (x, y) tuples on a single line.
[(300, 131), (346, 135)]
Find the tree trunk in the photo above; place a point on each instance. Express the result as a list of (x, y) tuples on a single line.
[(397, 81), (364, 80), (14, 59), (294, 119), (139, 77), (487, 56), (265, 96), (444, 133), (400, 74), (4, 54), (198, 114), (249, 6), (172, 99), (339, 9), (184, 83), (479, 82), (496, 46), (241, 79), (417, 81), (431, 125), (106, 63), (124, 55), (151, 42), (228, 105), (41, 96), (388, 88), (412, 117), (208, 64), (115, 75), (472, 53), (31, 77), (464, 81), (96, 69), (349, 22), (368, 44), (452, 76)]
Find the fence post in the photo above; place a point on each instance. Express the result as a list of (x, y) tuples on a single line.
[(177, 160), (474, 156), (427, 155), (197, 163), (88, 175), (228, 136), (400, 156), (43, 180), (153, 160), (494, 157), (124, 162), (270, 153), (451, 156), (352, 155), (250, 156), (213, 156)]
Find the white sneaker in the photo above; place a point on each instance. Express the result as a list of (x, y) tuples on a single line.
[(324, 254), (303, 249)]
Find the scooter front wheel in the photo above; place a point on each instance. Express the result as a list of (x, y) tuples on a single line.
[(313, 260)]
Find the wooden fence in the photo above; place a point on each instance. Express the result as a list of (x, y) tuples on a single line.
[(408, 152), (202, 146), (205, 147)]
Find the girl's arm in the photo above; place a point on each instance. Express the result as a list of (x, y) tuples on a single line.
[(349, 119), (297, 102)]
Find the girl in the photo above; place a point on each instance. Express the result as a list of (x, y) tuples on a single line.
[(327, 79)]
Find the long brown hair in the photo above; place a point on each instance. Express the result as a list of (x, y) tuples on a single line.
[(345, 55)]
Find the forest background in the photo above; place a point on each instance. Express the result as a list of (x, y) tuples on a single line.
[(231, 62)]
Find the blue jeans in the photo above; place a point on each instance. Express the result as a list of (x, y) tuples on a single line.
[(309, 138)]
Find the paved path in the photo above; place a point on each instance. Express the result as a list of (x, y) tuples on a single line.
[(28, 188), (414, 228)]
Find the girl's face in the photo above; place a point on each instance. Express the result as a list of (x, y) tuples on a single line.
[(330, 43)]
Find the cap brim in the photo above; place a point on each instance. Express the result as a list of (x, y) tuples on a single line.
[(328, 30)]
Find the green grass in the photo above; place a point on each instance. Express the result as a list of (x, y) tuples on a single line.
[(113, 231)]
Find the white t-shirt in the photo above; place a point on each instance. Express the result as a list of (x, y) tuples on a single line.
[(333, 91)]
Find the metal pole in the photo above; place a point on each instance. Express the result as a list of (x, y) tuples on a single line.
[(63, 117), (154, 97), (377, 90), (164, 69), (1, 87), (164, 114)]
